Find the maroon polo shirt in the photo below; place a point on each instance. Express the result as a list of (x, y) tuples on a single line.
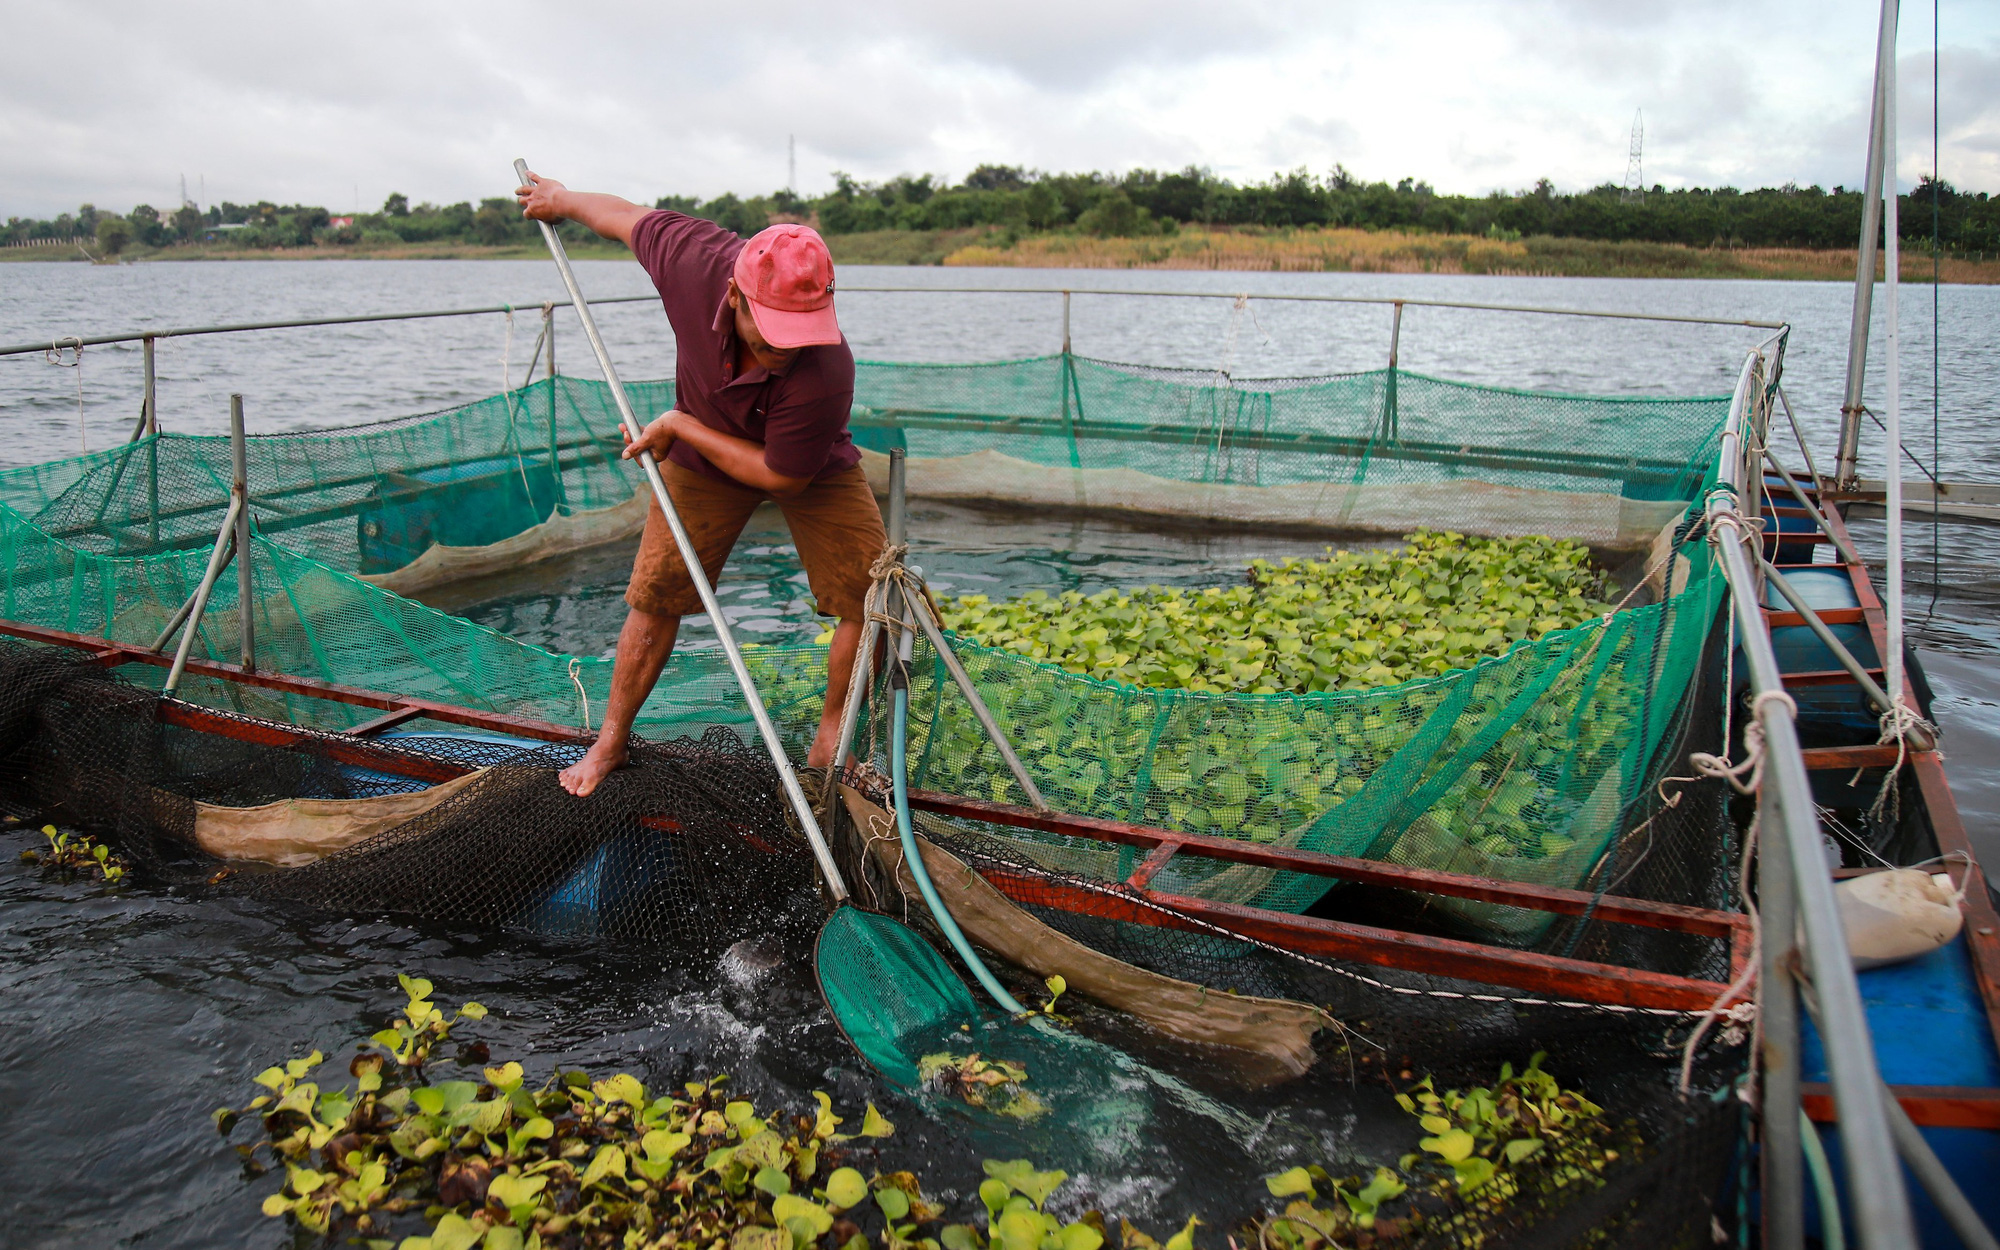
[(800, 415)]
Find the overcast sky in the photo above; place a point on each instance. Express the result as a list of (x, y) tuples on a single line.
[(341, 103)]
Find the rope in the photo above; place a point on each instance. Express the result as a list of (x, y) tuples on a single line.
[(575, 665), (54, 355), (1746, 776)]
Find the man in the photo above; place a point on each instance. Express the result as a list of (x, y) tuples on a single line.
[(763, 386)]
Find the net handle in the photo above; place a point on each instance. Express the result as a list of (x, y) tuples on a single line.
[(632, 426)]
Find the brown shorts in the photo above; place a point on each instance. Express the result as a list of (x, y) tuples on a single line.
[(834, 522)]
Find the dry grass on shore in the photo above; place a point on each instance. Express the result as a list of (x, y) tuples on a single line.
[(1301, 250), (1315, 250)]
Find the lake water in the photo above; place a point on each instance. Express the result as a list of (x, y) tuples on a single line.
[(125, 1016)]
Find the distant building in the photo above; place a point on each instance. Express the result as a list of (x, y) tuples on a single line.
[(338, 222)]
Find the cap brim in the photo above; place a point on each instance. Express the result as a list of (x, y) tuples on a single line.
[(787, 330)]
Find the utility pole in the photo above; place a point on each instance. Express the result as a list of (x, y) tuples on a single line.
[(1635, 167), (792, 164)]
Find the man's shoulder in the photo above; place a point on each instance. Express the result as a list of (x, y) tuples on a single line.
[(825, 370), (664, 241)]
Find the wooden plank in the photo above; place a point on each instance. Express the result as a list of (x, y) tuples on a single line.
[(272, 734), (1930, 1106), (408, 712), (1827, 677), (1776, 619), (497, 722), (1632, 911), (1847, 758), (1569, 980)]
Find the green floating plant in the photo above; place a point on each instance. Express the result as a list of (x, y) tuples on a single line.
[(1483, 1149), (578, 1162), (73, 853), (1356, 619)]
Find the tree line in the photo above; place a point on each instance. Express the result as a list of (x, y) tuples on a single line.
[(1013, 202)]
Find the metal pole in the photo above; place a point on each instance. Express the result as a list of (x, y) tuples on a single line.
[(1781, 1161), (1845, 548), (549, 316), (1931, 1173), (1919, 739), (979, 708), (225, 541), (692, 558), (1881, 1207), (1389, 390), (150, 403), (1065, 296), (1848, 466), (239, 497)]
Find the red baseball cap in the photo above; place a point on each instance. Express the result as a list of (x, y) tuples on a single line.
[(786, 273)]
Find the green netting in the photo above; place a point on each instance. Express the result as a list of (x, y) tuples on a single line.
[(1386, 451), (1522, 767)]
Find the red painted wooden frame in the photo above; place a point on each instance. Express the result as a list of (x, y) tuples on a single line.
[(1546, 975)]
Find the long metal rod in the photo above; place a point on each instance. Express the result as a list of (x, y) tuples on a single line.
[(149, 403), (225, 542), (1781, 1159), (994, 733), (239, 492), (1307, 299), (239, 327), (1936, 1179), (1840, 542), (1848, 464), (808, 822), (1892, 426), (136, 336), (1920, 739), (1881, 1207)]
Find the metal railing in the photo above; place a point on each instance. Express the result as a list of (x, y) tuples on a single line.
[(1794, 885)]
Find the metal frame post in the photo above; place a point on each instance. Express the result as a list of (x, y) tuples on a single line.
[(1847, 468), (1781, 1150), (151, 410), (1389, 388), (150, 402), (1065, 348), (1879, 1201), (239, 493)]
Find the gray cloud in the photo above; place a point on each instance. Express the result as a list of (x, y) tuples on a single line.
[(321, 105)]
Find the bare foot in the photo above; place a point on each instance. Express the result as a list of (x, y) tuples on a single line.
[(582, 777)]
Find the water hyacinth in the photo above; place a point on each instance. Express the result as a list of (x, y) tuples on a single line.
[(1356, 619)]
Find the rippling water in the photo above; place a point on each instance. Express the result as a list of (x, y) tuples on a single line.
[(126, 1016)]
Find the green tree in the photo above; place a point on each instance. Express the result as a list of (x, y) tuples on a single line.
[(494, 222), (113, 232), (397, 205)]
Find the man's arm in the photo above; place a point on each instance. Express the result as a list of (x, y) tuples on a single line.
[(545, 199), (738, 457)]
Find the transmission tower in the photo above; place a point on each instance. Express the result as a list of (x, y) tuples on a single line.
[(1635, 169)]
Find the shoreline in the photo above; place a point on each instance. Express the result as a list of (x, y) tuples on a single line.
[(1301, 250)]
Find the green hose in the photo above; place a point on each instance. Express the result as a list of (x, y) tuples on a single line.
[(899, 682), (1832, 1236)]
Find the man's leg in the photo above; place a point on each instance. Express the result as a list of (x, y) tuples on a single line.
[(838, 532), (839, 671), (643, 647), (659, 594)]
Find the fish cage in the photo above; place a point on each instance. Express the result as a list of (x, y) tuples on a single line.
[(1457, 869)]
